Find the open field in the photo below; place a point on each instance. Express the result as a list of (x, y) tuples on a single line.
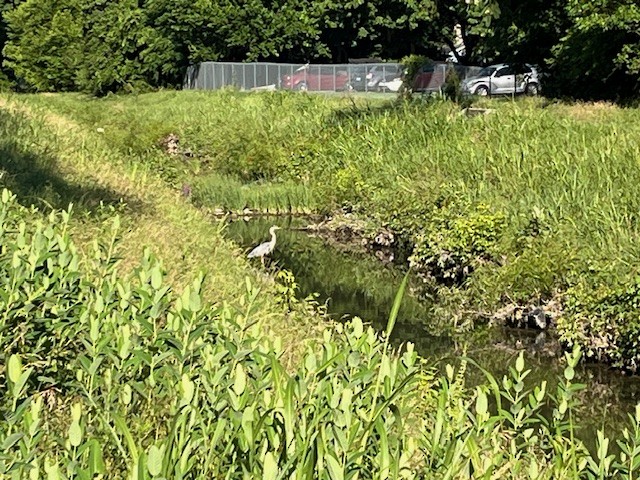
[(121, 364)]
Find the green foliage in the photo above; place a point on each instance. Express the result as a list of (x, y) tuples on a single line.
[(126, 46), (455, 239), (121, 54), (469, 21), (559, 182), (599, 56), (155, 384), (44, 45), (202, 392), (452, 87), (352, 29), (525, 32), (287, 288), (604, 320), (5, 83), (411, 65)]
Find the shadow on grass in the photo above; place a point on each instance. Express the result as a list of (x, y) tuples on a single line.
[(359, 112), (35, 180)]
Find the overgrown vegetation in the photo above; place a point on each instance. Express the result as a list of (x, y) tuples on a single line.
[(117, 364), (531, 203), (123, 376)]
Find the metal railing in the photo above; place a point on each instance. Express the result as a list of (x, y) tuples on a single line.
[(363, 77)]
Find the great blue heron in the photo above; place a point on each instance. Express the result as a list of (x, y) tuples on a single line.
[(265, 248)]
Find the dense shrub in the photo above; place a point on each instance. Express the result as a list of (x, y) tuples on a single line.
[(118, 375), (455, 240), (45, 44), (603, 319)]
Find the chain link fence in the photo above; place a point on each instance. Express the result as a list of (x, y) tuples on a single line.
[(361, 77)]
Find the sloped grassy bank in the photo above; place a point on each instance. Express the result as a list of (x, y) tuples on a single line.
[(116, 365), (121, 376), (534, 203)]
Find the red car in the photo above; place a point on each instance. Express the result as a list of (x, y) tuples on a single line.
[(430, 77), (315, 78)]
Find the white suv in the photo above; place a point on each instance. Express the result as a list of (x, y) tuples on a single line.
[(504, 78)]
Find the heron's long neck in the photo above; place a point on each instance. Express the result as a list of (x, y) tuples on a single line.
[(273, 238)]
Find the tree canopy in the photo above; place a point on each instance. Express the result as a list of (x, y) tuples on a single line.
[(589, 49)]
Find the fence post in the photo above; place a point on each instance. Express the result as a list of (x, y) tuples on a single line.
[(367, 67), (335, 88), (384, 78), (244, 77)]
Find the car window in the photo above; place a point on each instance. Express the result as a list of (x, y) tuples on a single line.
[(521, 69), (504, 71), (427, 68), (486, 71)]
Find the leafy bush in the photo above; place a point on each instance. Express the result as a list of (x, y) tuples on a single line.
[(45, 44), (452, 87), (455, 239), (119, 375), (5, 83), (412, 65), (604, 320)]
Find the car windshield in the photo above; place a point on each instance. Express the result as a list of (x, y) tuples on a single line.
[(487, 71)]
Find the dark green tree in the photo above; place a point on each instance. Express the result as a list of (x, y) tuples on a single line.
[(599, 57), (390, 29), (5, 6), (122, 52), (44, 43), (525, 31), (463, 23)]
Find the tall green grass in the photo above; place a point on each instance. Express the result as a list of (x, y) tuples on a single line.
[(532, 202), (120, 376), (231, 194)]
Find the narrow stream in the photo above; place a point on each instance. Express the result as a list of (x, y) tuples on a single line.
[(359, 284)]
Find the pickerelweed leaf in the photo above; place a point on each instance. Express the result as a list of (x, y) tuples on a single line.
[(240, 380), (14, 368), (154, 460), (270, 467), (75, 434)]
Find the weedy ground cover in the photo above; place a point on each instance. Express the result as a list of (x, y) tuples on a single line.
[(117, 365), (121, 376), (532, 202)]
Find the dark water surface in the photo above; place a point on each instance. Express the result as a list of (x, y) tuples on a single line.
[(359, 284)]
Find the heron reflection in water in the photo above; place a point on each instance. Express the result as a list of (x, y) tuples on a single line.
[(265, 248)]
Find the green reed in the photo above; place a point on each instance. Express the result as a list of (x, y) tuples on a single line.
[(136, 380), (563, 177)]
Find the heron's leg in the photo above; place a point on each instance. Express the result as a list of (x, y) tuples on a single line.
[(262, 258)]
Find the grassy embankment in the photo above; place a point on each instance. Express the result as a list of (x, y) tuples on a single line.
[(117, 369), (531, 203)]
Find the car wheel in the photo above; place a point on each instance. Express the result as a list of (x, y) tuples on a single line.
[(531, 89), (482, 91), (302, 86)]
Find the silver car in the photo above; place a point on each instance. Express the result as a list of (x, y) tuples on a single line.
[(504, 78)]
